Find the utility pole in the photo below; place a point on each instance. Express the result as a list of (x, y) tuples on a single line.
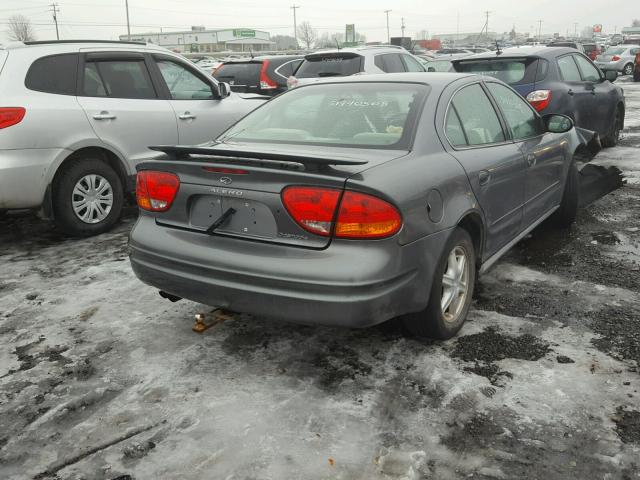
[(55, 10), (388, 35), (486, 23), (126, 5), (575, 30), (539, 30), (295, 25), (402, 28), (457, 28)]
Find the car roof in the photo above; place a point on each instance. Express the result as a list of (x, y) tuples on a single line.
[(437, 80), (66, 44), (537, 51)]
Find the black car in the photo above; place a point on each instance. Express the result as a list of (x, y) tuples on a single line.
[(557, 80), (266, 75)]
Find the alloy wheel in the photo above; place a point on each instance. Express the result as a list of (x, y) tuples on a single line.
[(92, 198), (628, 69), (455, 284)]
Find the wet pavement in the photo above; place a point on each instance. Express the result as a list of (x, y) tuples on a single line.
[(100, 378)]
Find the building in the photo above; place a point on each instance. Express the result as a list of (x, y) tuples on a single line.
[(201, 40)]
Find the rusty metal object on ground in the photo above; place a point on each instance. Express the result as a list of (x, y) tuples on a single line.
[(217, 316)]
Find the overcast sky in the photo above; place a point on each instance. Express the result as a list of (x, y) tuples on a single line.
[(106, 19)]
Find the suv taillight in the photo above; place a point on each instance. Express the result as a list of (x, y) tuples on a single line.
[(359, 216), (155, 191), (266, 83), (11, 116), (539, 99)]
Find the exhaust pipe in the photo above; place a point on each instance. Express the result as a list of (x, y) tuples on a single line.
[(168, 296)]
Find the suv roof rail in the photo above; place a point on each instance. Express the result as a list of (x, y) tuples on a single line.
[(382, 46), (49, 42)]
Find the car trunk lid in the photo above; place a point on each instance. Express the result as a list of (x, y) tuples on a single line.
[(249, 179)]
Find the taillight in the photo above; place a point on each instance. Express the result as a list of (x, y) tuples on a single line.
[(155, 191), (539, 99), (266, 83), (360, 216), (312, 208), (11, 116), (615, 58)]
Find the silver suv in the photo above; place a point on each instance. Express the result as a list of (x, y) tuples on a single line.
[(352, 61), (77, 116)]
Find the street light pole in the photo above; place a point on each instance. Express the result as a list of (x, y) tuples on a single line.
[(295, 25), (388, 36), (126, 5), (402, 28)]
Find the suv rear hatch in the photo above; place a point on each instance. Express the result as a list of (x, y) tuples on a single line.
[(249, 179), (521, 74), (242, 76), (330, 64)]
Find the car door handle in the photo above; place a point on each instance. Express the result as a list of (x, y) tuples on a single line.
[(187, 116), (531, 160), (484, 177), (570, 92), (104, 115)]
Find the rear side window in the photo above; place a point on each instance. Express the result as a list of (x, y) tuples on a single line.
[(569, 69), (542, 69), (117, 79), (287, 69), (479, 119), (329, 66), (389, 63), (54, 74)]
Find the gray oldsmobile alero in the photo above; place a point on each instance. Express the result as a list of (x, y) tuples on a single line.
[(356, 200)]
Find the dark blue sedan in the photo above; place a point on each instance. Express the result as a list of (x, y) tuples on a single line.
[(557, 80)]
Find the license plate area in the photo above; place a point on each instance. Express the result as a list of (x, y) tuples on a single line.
[(251, 218)]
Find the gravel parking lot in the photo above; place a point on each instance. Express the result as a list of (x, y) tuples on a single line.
[(100, 378)]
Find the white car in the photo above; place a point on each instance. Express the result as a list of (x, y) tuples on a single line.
[(76, 117), (354, 61)]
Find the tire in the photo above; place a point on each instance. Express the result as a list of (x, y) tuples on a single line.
[(566, 214), (628, 69), (72, 182), (611, 140), (432, 321)]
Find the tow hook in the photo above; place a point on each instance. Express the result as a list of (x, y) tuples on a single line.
[(217, 317)]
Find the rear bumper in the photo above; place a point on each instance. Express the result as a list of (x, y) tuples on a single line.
[(350, 283), (24, 175), (619, 65)]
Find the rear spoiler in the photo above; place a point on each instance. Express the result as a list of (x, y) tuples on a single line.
[(225, 153)]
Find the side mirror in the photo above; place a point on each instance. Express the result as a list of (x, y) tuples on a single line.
[(611, 75), (224, 89), (557, 123)]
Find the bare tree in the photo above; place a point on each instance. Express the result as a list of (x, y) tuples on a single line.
[(20, 29), (636, 23), (307, 34)]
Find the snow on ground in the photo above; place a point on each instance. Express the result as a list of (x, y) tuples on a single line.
[(100, 378)]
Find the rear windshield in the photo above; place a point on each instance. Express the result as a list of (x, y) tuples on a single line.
[(364, 115), (239, 73), (511, 71), (329, 66)]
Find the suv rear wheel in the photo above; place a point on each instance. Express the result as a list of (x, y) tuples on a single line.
[(451, 291), (87, 197)]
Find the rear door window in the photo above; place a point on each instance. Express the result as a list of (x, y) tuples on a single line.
[(479, 119), (390, 63), (117, 79), (334, 65), (569, 69), (54, 74), (589, 72)]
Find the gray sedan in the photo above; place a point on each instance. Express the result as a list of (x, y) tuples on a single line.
[(353, 201), (620, 58)]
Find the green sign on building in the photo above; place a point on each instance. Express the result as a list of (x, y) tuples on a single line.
[(244, 33)]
